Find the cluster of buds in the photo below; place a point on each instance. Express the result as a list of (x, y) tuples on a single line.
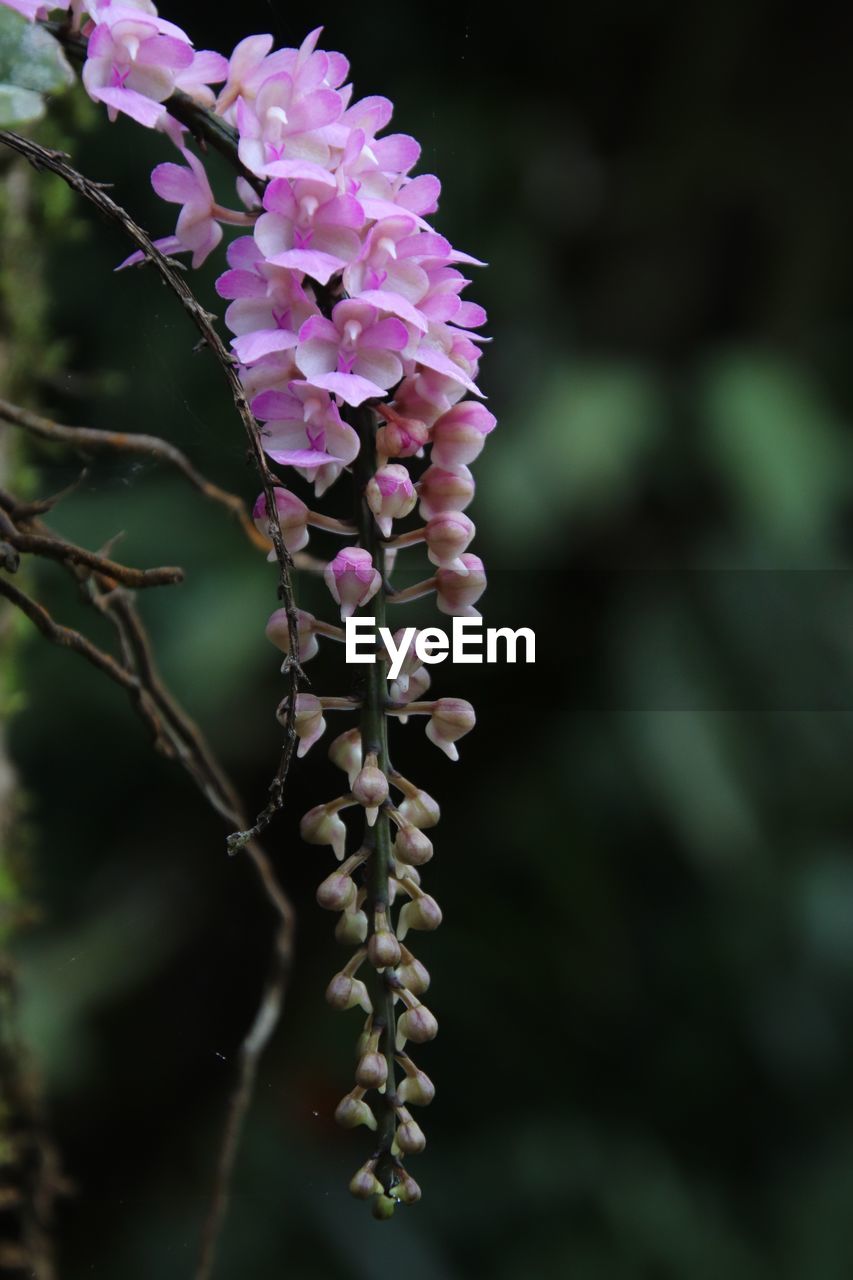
[(359, 355)]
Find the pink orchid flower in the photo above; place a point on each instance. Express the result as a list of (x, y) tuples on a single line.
[(308, 227), (281, 133), (252, 63), (353, 354), (269, 304), (134, 59), (304, 429)]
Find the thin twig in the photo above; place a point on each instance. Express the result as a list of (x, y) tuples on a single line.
[(87, 439), (56, 548), (55, 162), (178, 736)]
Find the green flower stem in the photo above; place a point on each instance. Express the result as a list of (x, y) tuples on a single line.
[(374, 736)]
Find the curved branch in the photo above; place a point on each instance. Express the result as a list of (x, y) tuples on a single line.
[(43, 159), (92, 438)]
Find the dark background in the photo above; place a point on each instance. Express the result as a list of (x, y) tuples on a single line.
[(645, 975)]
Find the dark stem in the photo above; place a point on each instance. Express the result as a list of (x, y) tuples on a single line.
[(374, 737)]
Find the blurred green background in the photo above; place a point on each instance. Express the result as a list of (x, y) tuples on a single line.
[(645, 976)]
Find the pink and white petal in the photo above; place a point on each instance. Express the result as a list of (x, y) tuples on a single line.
[(319, 108), (456, 255), (205, 247), (319, 266), (165, 52), (351, 388), (244, 254), (398, 153), (337, 69), (244, 315), (343, 211), (250, 347), (382, 368), (249, 52), (278, 406), (252, 154), (295, 457), (240, 284), (279, 198), (370, 114), (315, 357), (384, 300), (431, 358), (318, 328), (426, 244), (307, 148), (407, 279), (342, 442), (273, 234), (440, 307), (470, 315), (209, 67), (139, 108), (390, 334), (340, 242), (298, 168), (175, 183), (421, 194)]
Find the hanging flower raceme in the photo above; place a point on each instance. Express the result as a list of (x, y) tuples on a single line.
[(359, 356)]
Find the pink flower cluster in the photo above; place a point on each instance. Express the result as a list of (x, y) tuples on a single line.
[(343, 294)]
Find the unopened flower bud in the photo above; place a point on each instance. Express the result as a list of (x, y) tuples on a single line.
[(457, 593), (336, 892), (383, 1208), (413, 975), (351, 928), (383, 949), (410, 1136), (420, 810), (307, 720), (408, 664), (345, 992), (412, 846), (370, 789), (423, 912), (345, 752), (447, 536), (459, 435), (407, 1190), (278, 632), (372, 1071), (352, 1111), (352, 579), (401, 437), (322, 825), (390, 495), (292, 515), (416, 1089), (417, 1025), (451, 719), (440, 490), (364, 1182)]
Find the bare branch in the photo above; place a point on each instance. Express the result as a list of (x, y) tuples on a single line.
[(87, 439), (56, 548), (54, 162)]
